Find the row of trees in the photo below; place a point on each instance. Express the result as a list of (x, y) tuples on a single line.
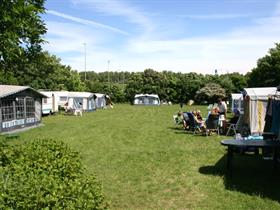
[(170, 86), (22, 62)]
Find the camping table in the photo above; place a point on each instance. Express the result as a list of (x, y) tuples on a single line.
[(233, 143)]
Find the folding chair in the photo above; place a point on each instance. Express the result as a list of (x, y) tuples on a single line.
[(177, 120), (192, 123), (235, 127), (212, 124)]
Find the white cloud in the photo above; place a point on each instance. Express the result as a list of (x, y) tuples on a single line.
[(86, 22), (67, 37), (215, 16), (117, 8), (235, 50)]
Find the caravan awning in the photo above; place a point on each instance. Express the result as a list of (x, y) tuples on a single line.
[(260, 93)]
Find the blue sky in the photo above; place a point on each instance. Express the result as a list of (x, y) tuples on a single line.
[(179, 35)]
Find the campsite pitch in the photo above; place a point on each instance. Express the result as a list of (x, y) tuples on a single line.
[(145, 162)]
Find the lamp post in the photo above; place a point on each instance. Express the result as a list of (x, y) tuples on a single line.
[(85, 48)]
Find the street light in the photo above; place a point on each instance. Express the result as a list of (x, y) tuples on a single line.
[(85, 48)]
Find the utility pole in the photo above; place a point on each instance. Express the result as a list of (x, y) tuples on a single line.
[(108, 73), (85, 48)]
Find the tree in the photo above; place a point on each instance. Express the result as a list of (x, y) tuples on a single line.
[(267, 72), (210, 93), (239, 82), (134, 86), (21, 36)]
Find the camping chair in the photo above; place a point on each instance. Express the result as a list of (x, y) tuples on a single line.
[(193, 126), (177, 120), (212, 124), (235, 127)]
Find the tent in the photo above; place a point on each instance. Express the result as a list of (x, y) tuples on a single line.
[(255, 103), (81, 100), (237, 101), (20, 106), (146, 99)]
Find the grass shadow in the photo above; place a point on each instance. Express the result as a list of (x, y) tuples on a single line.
[(250, 175), (183, 131)]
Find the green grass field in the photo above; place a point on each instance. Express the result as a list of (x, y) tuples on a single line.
[(144, 162)]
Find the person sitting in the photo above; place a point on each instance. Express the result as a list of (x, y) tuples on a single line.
[(198, 115), (198, 120), (212, 121), (185, 119)]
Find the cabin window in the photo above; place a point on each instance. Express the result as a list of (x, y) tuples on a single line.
[(7, 110), (20, 108), (45, 100), (30, 107)]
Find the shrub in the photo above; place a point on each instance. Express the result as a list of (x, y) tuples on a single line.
[(46, 174)]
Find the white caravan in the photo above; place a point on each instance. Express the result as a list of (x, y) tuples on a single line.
[(49, 104), (146, 99)]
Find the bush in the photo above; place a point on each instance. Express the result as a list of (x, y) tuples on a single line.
[(45, 174)]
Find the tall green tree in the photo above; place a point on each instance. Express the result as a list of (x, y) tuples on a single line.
[(21, 34), (267, 72)]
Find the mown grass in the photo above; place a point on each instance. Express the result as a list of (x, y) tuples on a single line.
[(144, 162)]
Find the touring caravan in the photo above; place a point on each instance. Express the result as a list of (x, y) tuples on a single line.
[(49, 104), (146, 99)]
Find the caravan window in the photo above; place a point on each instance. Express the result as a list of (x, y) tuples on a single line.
[(63, 98)]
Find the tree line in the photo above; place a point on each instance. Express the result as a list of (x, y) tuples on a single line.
[(23, 62)]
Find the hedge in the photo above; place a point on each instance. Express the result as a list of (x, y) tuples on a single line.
[(46, 174)]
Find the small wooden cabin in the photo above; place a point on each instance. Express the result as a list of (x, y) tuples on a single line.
[(20, 106)]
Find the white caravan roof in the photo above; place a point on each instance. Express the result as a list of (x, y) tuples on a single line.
[(236, 96), (146, 95), (80, 94)]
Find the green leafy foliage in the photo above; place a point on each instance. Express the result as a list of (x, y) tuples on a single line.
[(45, 174), (210, 93), (21, 34), (267, 72)]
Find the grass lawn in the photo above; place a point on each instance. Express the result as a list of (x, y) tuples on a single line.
[(144, 162)]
